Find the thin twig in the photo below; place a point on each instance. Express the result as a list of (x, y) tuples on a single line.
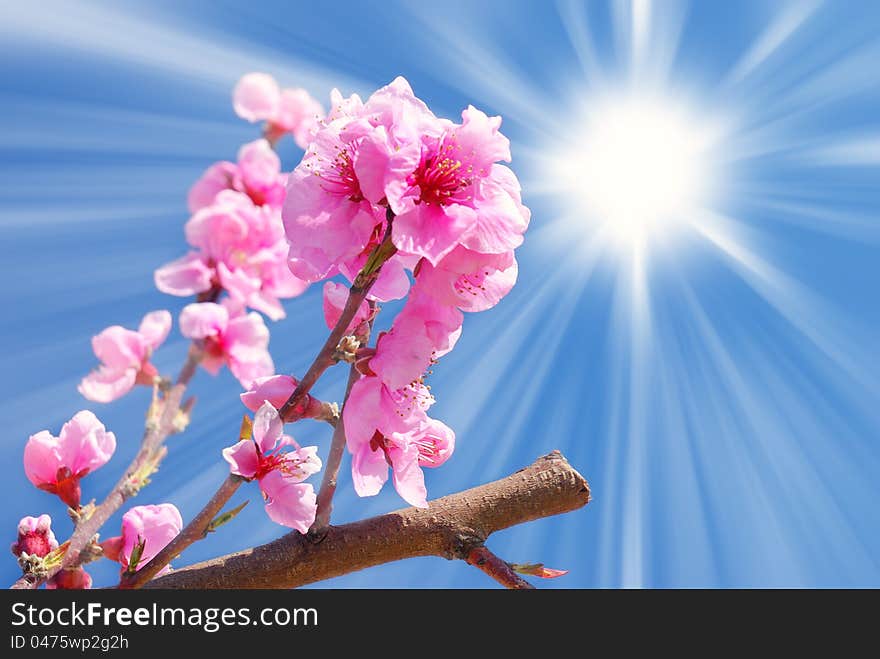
[(337, 444), (482, 558), (331, 469), (357, 293)]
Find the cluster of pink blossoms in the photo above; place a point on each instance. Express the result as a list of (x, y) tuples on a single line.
[(387, 167), (457, 216), (235, 230), (56, 465)]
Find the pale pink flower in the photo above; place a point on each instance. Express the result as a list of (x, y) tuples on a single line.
[(468, 280), (289, 501), (125, 358), (238, 340), (154, 526), (326, 217), (422, 332), (56, 464), (385, 428), (35, 537), (335, 298), (257, 97), (257, 175)]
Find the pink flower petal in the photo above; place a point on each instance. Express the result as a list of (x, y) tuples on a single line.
[(84, 443), (41, 458), (335, 297), (288, 503), (268, 427), (256, 97), (155, 327), (216, 178), (104, 384), (369, 471), (119, 348), (242, 458), (203, 319), (409, 481), (276, 389), (186, 276)]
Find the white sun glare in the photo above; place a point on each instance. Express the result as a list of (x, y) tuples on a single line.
[(641, 168)]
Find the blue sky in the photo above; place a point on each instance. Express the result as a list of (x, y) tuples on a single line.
[(715, 377)]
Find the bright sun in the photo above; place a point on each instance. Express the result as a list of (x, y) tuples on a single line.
[(641, 168)]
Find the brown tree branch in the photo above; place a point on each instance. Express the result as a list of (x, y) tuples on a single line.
[(483, 559), (450, 528)]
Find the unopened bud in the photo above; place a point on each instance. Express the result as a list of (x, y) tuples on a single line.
[(35, 537), (346, 349)]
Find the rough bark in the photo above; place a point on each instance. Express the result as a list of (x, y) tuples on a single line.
[(450, 528)]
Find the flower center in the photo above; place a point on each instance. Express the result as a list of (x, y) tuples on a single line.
[(214, 347), (286, 463), (441, 175), (339, 177), (471, 284)]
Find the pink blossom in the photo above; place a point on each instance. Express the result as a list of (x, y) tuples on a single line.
[(469, 280), (457, 196), (257, 175), (333, 196), (153, 525), (386, 428), (298, 114), (421, 333), (125, 358), (238, 340), (335, 298), (241, 248), (56, 464), (35, 537), (326, 216), (257, 97), (289, 501), (441, 180)]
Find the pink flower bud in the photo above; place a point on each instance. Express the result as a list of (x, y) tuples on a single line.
[(56, 464), (154, 525), (35, 537)]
